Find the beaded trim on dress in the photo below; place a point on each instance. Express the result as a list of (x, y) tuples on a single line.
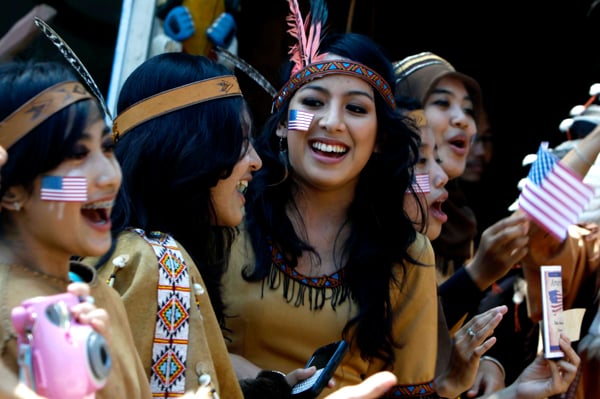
[(299, 289)]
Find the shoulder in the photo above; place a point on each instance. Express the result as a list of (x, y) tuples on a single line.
[(422, 251), (134, 244), (136, 257)]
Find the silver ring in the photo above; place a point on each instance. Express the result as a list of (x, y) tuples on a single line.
[(471, 332)]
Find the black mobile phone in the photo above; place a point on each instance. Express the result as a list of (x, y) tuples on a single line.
[(326, 358)]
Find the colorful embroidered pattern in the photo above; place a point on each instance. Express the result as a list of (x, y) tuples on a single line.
[(169, 350), (421, 391), (300, 290), (331, 281), (320, 69)]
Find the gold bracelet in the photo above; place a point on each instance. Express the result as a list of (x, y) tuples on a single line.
[(581, 155)]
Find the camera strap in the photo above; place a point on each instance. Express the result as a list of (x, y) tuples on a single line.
[(26, 365)]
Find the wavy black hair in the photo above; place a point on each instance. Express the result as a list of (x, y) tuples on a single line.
[(171, 162), (381, 232)]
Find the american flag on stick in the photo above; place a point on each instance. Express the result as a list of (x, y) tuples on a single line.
[(64, 188), (554, 196), (421, 183), (300, 120)]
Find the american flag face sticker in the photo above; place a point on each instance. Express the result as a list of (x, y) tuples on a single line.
[(420, 183), (300, 120), (64, 188)]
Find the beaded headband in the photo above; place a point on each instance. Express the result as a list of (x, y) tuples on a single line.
[(320, 69), (173, 100), (39, 108)]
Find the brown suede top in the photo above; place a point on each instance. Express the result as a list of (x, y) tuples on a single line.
[(126, 378), (137, 285), (277, 329)]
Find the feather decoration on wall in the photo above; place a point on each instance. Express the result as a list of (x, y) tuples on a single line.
[(247, 69), (305, 50), (72, 59)]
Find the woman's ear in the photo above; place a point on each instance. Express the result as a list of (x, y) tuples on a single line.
[(14, 198)]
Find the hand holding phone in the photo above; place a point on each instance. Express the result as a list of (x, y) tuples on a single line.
[(326, 359)]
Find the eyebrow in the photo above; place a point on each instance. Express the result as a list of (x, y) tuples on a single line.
[(445, 91), (321, 89), (87, 135)]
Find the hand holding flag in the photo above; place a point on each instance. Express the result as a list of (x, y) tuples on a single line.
[(553, 196)]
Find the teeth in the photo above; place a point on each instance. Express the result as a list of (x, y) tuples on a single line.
[(338, 149), (99, 205), (242, 186)]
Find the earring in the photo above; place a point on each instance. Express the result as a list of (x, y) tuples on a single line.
[(283, 158), (17, 206)]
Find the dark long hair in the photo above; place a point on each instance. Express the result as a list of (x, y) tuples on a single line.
[(170, 163), (47, 145), (381, 233)]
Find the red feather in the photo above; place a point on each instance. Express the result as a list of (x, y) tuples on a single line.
[(298, 32), (306, 51)]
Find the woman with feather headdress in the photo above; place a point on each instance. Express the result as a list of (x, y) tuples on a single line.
[(327, 251)]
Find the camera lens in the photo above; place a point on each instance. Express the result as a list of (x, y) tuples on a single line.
[(98, 356)]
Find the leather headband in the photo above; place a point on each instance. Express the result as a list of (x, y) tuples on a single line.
[(418, 115), (39, 108), (173, 100)]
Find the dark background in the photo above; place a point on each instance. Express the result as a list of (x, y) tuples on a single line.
[(534, 60)]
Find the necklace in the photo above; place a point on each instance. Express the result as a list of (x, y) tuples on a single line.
[(39, 274)]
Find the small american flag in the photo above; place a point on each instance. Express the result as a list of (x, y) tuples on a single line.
[(421, 183), (64, 188), (554, 196), (300, 120)]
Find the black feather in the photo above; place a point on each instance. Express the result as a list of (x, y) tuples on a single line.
[(72, 59), (247, 69)]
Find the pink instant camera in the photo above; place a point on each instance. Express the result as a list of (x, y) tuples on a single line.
[(59, 358)]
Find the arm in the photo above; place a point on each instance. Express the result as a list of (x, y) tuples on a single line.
[(415, 314), (490, 377), (243, 367), (459, 295), (371, 388), (502, 246), (583, 155)]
